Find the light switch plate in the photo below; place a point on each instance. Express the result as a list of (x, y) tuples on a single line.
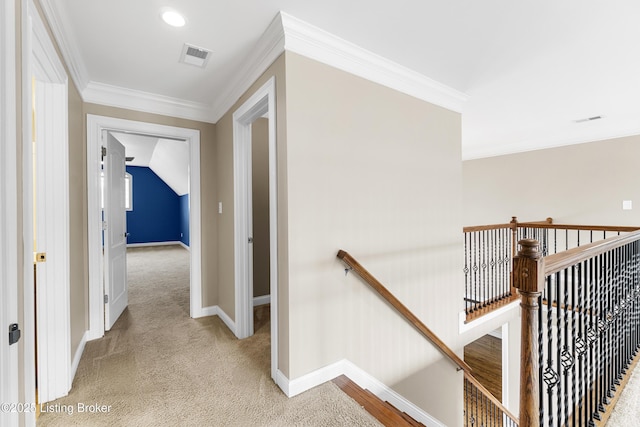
[(627, 205)]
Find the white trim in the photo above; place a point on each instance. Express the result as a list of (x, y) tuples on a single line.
[(504, 331), (184, 246), (261, 300), (268, 48), (363, 379), (70, 51), (211, 311), (9, 355), (132, 99), (54, 342), (150, 244), (215, 310), (95, 125), (315, 43), (78, 356), (262, 101), (285, 32), (466, 327)]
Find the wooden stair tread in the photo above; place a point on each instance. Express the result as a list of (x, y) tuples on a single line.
[(412, 422), (384, 412)]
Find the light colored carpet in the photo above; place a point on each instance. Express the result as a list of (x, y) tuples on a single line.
[(627, 410), (158, 367)]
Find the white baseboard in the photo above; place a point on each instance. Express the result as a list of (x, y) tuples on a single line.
[(261, 300), (142, 245), (76, 358), (184, 246), (363, 379), (215, 310)]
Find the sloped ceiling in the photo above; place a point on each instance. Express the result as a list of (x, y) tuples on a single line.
[(527, 70), (168, 158)]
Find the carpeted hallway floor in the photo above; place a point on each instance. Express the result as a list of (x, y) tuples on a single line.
[(158, 367)]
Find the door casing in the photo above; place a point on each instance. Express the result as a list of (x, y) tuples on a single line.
[(261, 103), (9, 388), (54, 365)]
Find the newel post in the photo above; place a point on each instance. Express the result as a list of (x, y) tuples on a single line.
[(528, 276)]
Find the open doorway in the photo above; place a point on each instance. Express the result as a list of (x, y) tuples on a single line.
[(96, 126), (151, 209), (261, 105), (260, 213)]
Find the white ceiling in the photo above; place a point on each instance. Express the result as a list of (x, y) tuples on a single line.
[(168, 158), (529, 69)]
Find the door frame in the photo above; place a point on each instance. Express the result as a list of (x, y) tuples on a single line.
[(95, 125), (261, 103), (9, 370), (55, 373)]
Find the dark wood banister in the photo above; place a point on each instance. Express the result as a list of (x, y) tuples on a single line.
[(562, 260), (404, 311)]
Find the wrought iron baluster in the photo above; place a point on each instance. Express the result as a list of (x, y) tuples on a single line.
[(466, 273), (559, 347)]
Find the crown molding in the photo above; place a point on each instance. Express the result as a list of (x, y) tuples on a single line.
[(284, 33), (69, 50), (315, 43), (269, 47), (116, 96)]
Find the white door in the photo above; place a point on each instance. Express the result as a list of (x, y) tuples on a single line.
[(115, 234)]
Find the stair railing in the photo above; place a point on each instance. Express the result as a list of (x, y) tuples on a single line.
[(580, 328), (489, 250), (482, 404)]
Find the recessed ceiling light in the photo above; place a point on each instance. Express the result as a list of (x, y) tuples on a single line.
[(173, 18)]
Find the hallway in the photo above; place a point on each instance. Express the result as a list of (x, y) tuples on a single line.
[(159, 367)]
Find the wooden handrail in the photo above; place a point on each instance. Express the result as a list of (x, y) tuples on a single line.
[(562, 260), (489, 395), (472, 228), (403, 310), (614, 228)]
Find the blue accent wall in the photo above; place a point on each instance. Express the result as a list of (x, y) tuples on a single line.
[(184, 219), (157, 211)]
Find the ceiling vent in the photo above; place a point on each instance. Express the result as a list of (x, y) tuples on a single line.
[(588, 119), (194, 55)]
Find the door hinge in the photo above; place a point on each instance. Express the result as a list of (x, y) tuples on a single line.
[(14, 333), (106, 299), (104, 152)]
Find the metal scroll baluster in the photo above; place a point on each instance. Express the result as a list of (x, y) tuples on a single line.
[(466, 273), (559, 394), (475, 271), (580, 344), (591, 340), (549, 373), (541, 359)]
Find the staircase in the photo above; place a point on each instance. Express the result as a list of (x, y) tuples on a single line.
[(383, 411)]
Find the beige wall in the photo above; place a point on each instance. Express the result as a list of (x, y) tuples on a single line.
[(378, 174), (580, 184), (260, 202), (208, 186), (79, 269)]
